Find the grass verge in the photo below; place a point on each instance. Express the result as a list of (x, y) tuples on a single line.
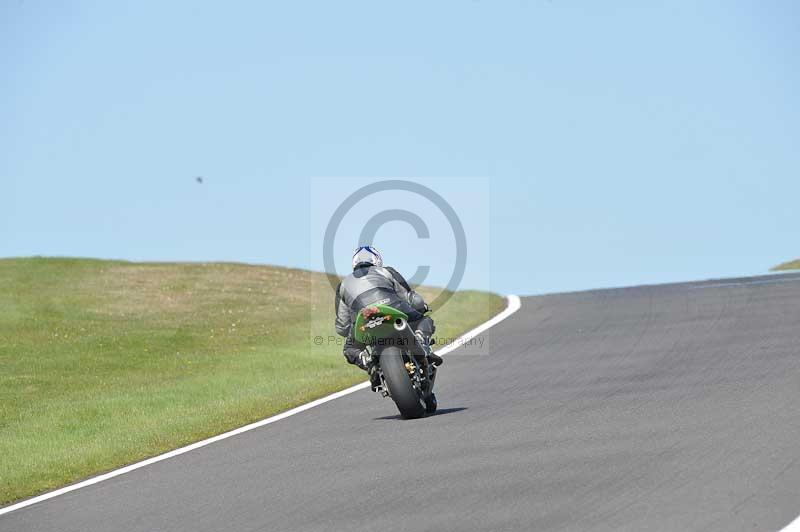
[(104, 363), (791, 265)]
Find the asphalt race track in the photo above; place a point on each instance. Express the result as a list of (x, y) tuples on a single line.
[(673, 407)]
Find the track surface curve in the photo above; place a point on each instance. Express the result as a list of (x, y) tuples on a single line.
[(671, 407)]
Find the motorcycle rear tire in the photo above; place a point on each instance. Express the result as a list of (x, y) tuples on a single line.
[(401, 389)]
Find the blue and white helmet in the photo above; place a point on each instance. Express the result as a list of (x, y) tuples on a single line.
[(366, 255)]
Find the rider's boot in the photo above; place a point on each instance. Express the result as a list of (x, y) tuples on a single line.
[(374, 378), (426, 346), (365, 362)]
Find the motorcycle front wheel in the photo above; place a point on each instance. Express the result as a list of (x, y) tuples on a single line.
[(401, 389)]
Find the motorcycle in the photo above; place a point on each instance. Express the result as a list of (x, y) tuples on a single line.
[(406, 374)]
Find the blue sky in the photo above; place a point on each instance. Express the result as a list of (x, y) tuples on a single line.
[(623, 142)]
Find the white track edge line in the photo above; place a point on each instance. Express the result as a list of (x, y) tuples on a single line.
[(513, 305), (794, 526)]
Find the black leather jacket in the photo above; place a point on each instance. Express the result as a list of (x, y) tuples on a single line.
[(369, 284)]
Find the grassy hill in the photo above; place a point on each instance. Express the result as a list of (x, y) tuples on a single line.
[(791, 265), (103, 363)]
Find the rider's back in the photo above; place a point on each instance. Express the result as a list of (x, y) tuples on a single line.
[(366, 279)]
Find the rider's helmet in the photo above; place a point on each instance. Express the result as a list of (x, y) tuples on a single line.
[(366, 256)]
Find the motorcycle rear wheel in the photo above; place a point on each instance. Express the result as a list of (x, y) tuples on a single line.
[(401, 389)]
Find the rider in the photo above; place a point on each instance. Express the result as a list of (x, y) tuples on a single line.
[(369, 283)]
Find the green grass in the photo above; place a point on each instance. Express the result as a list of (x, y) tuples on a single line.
[(103, 363), (791, 265)]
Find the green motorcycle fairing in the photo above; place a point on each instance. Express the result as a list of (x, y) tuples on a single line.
[(376, 321)]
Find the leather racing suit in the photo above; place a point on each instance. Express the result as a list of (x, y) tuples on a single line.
[(366, 286)]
